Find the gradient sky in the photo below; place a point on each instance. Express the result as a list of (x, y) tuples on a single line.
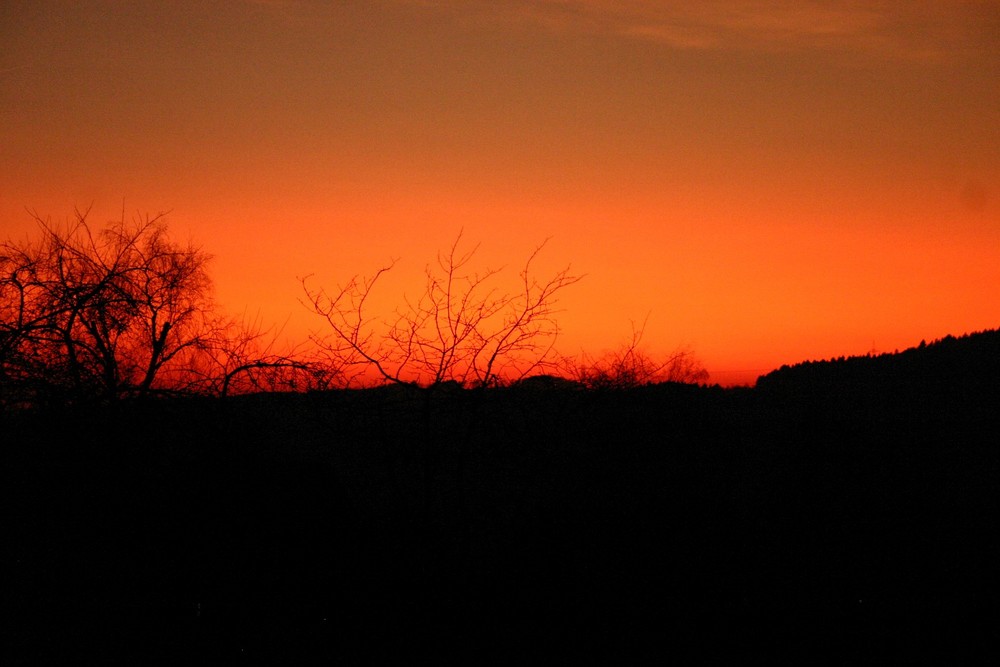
[(771, 181)]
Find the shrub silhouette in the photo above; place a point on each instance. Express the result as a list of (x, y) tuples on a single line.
[(630, 366)]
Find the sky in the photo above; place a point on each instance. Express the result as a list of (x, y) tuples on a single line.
[(764, 182)]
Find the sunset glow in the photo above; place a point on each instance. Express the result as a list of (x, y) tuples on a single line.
[(767, 182)]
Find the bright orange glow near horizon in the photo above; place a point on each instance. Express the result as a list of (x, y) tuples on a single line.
[(767, 182)]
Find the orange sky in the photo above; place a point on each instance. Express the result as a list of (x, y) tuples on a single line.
[(770, 181)]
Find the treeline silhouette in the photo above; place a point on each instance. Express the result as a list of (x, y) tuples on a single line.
[(837, 511), (967, 363)]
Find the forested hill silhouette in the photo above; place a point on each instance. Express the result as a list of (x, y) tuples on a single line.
[(961, 365)]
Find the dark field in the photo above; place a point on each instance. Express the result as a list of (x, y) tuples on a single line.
[(839, 512)]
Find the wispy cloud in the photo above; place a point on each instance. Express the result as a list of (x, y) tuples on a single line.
[(899, 29), (12, 68)]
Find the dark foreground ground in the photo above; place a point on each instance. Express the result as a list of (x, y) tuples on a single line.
[(836, 521)]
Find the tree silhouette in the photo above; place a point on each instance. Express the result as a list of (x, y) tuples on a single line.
[(100, 313), (116, 312), (460, 328)]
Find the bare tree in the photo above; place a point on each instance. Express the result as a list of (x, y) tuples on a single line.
[(119, 311), (100, 313), (460, 328), (630, 366)]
